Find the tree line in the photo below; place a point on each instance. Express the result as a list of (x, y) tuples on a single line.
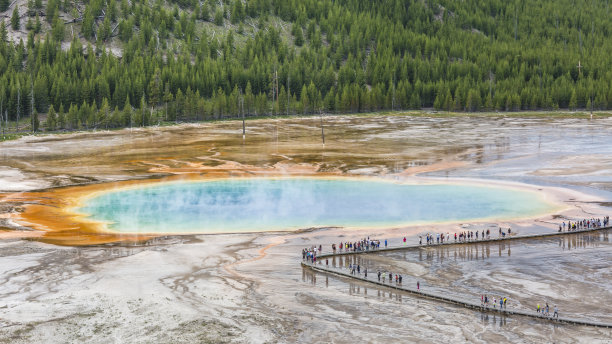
[(187, 60)]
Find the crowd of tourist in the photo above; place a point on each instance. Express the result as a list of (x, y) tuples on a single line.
[(367, 244), (485, 301), (364, 244), (310, 254), (585, 224), (355, 269), (545, 311), (465, 236), (383, 275)]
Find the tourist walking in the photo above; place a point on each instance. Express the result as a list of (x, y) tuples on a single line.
[(556, 313), (418, 286)]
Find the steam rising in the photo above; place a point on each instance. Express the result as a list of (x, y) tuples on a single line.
[(239, 205)]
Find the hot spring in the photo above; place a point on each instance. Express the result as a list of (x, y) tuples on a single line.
[(269, 204)]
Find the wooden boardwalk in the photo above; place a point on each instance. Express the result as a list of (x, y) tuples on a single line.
[(456, 301), (318, 266), (449, 243)]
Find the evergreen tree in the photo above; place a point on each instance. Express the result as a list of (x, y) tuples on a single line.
[(573, 103), (154, 89), (127, 103), (52, 6), (3, 33), (488, 105), (473, 101), (15, 23), (168, 97), (30, 8), (299, 36), (37, 24), (61, 118), (41, 99), (115, 118), (57, 28), (415, 101), (30, 25), (306, 100), (330, 101), (73, 117), (105, 30), (438, 102), (104, 113), (84, 115), (589, 105), (508, 106), (448, 101), (249, 99), (88, 24), (125, 30), (457, 103), (126, 115), (4, 4), (35, 121), (205, 12), (219, 17), (112, 10), (237, 12), (143, 112), (51, 121)]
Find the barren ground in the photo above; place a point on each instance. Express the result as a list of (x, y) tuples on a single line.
[(251, 288)]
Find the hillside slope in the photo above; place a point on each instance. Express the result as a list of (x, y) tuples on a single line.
[(113, 63)]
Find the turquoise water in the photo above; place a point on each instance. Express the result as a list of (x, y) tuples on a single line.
[(240, 205)]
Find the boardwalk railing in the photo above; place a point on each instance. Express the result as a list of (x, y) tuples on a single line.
[(455, 300), (448, 243)]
